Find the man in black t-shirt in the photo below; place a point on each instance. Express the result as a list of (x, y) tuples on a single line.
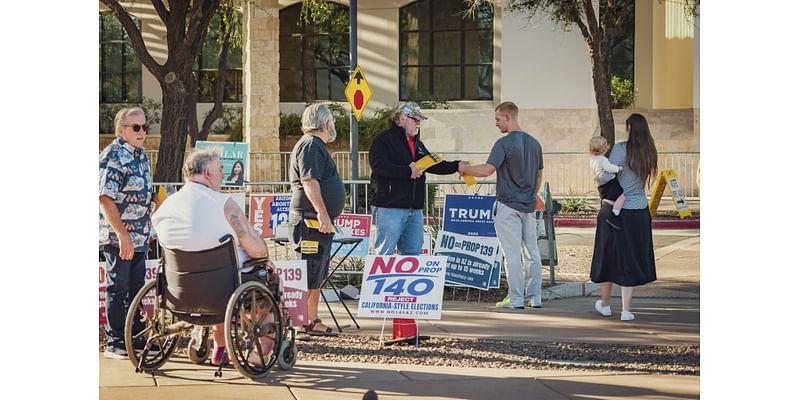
[(317, 194)]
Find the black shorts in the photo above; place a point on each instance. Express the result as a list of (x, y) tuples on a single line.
[(312, 246), (610, 191)]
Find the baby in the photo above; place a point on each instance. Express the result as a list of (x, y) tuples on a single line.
[(605, 174)]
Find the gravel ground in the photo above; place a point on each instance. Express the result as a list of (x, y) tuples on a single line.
[(680, 360), (501, 354)]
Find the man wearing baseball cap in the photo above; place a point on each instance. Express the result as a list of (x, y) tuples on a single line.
[(398, 184)]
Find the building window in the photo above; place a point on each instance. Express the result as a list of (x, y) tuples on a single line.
[(120, 69), (315, 58), (207, 63), (443, 55)]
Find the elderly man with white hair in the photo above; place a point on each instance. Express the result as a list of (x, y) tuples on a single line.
[(198, 215), (317, 194), (126, 197)]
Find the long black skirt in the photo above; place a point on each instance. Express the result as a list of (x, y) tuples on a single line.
[(624, 256)]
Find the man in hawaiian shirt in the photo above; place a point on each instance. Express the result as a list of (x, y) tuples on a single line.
[(126, 194)]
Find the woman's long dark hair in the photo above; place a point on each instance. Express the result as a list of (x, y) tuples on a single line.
[(641, 153), (241, 173)]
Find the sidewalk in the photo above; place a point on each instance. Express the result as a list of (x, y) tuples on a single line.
[(667, 313)]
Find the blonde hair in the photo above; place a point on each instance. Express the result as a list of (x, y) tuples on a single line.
[(509, 108), (598, 145), (125, 113)]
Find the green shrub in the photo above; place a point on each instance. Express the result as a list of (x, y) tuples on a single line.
[(229, 123), (573, 203), (290, 125), (368, 127), (151, 107), (623, 94)]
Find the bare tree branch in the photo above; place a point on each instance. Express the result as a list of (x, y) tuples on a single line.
[(161, 10), (198, 24), (176, 19), (575, 15), (222, 68), (591, 21), (136, 37)]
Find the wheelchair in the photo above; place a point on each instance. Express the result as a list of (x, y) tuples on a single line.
[(196, 289)]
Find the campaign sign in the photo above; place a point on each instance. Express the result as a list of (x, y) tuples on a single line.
[(402, 287), (233, 156), (426, 245), (295, 289), (354, 226), (469, 215), (470, 259), (267, 211), (151, 269)]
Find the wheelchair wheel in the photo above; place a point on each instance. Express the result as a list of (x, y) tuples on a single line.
[(253, 329), (199, 347), (151, 323), (287, 355)]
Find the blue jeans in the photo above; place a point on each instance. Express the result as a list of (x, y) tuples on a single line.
[(125, 278), (397, 227)]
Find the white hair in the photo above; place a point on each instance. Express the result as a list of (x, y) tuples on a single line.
[(123, 113), (198, 160), (315, 117)]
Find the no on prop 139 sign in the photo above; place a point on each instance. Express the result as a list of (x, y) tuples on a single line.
[(402, 287)]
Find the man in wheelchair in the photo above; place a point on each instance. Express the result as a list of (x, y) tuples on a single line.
[(198, 215)]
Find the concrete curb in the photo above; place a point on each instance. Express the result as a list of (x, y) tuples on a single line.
[(570, 289), (657, 224)]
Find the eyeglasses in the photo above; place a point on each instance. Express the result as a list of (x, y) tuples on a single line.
[(137, 127)]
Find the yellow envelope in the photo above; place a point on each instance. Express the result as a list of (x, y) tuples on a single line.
[(428, 161), (469, 180), (314, 224)]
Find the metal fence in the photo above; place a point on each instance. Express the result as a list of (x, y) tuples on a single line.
[(567, 172)]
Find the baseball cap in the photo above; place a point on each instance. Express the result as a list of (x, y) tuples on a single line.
[(410, 109)]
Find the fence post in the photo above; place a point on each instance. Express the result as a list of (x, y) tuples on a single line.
[(550, 231)]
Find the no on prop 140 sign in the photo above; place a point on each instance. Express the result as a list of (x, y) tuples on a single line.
[(402, 287)]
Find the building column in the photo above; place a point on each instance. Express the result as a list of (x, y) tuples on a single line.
[(261, 98)]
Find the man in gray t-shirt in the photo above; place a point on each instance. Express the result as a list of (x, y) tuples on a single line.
[(317, 194), (517, 158)]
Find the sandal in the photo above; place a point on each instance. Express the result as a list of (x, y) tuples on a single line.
[(310, 329)]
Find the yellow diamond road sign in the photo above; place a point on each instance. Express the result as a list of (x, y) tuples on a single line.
[(358, 92)]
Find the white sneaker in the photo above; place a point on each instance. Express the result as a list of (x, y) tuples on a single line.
[(536, 302), (627, 316), (604, 311)]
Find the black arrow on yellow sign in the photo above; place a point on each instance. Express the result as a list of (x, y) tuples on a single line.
[(358, 77)]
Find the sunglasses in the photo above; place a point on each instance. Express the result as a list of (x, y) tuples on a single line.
[(137, 127)]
